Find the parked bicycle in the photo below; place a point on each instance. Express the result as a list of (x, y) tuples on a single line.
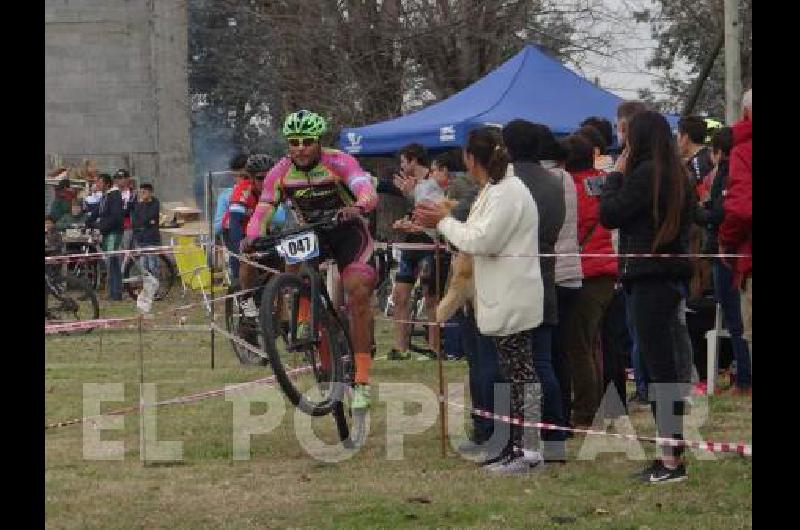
[(68, 299), (133, 274), (81, 240)]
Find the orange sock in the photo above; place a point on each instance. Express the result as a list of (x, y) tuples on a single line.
[(363, 362), (304, 311)]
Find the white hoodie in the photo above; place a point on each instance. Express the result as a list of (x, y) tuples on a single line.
[(501, 234)]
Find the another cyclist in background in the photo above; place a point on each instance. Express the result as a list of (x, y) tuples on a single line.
[(243, 201), (322, 183), (236, 167)]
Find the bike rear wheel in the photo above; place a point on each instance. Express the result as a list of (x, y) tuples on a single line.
[(313, 367), (72, 299), (247, 329)]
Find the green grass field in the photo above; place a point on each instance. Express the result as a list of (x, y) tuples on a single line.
[(281, 486)]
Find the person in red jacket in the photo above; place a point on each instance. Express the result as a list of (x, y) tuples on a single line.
[(736, 230), (599, 275)]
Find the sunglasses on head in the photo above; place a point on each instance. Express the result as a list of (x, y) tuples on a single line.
[(305, 142)]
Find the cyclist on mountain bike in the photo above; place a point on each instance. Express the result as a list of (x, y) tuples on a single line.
[(243, 200), (322, 183)]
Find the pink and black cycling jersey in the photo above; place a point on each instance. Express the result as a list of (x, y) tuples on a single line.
[(335, 182)]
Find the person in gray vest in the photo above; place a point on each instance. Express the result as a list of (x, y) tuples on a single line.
[(521, 139)]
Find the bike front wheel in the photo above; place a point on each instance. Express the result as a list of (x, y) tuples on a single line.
[(311, 366)]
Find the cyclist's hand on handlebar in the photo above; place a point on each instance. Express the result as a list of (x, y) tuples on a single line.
[(347, 213)]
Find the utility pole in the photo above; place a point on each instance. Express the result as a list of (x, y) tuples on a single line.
[(733, 64)]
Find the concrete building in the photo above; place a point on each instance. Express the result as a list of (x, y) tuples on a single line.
[(116, 89)]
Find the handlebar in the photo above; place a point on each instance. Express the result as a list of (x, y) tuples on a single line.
[(265, 243)]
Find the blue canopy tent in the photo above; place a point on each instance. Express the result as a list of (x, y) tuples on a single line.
[(531, 85)]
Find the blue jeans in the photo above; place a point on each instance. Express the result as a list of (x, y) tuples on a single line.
[(484, 372), (558, 353), (150, 263), (552, 410), (684, 354), (452, 336), (728, 297), (639, 370)]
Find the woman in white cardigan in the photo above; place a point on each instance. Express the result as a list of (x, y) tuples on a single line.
[(501, 233)]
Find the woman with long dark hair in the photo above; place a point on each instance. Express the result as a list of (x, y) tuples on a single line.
[(501, 233), (649, 199)]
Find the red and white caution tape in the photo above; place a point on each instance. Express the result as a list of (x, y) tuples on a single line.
[(238, 340), (59, 327), (417, 322), (240, 257), (431, 246), (714, 447), (166, 249), (190, 398), (80, 325)]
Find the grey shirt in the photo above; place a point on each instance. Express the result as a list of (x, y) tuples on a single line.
[(548, 193)]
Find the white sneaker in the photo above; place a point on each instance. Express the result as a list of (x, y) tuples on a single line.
[(249, 309), (514, 464)]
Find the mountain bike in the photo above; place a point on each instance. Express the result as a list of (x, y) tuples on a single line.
[(80, 240), (312, 356)]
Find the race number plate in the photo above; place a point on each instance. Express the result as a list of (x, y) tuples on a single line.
[(301, 247)]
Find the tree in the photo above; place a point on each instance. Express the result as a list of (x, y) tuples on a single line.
[(230, 83), (686, 32), (354, 61)]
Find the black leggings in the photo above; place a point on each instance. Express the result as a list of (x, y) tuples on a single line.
[(515, 356)]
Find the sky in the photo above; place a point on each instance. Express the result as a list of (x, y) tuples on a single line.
[(632, 45)]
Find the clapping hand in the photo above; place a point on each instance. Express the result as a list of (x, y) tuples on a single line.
[(428, 213), (403, 183), (407, 225), (622, 162)]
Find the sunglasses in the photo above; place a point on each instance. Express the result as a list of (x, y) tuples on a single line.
[(306, 142)]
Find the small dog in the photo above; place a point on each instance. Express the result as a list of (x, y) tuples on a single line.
[(461, 287)]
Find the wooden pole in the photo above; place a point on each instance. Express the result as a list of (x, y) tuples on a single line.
[(142, 437), (437, 330), (212, 258), (733, 62)]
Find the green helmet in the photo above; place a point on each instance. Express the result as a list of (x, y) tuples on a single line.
[(711, 127), (304, 123)]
